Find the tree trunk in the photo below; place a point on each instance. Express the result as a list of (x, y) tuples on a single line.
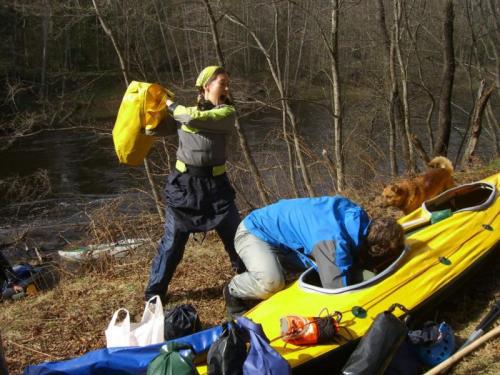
[(444, 111), (432, 105), (283, 78), (495, 41), (259, 182), (331, 168), (45, 45), (109, 33), (476, 122), (393, 90), (494, 129), (113, 41), (164, 39), (284, 101), (336, 93), (404, 84), (176, 50), (301, 48)]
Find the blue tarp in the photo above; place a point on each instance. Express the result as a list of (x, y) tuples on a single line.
[(130, 360)]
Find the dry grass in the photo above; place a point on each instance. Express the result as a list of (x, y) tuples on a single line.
[(70, 320), (24, 189)]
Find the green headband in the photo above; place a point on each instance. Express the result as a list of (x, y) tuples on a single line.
[(205, 75)]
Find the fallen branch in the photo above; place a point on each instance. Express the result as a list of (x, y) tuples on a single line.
[(33, 350)]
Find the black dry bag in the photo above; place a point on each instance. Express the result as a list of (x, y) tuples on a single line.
[(180, 321), (379, 345), (227, 355)]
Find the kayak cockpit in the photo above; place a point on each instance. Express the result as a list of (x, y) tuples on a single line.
[(309, 280), (469, 197)]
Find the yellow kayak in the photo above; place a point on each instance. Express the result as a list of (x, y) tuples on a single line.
[(446, 237)]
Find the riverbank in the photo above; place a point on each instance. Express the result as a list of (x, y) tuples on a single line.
[(70, 320)]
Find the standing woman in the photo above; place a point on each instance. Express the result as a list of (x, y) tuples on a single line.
[(198, 193)]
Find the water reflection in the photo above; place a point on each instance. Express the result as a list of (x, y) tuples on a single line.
[(77, 162)]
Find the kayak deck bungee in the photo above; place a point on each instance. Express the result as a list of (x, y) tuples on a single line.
[(437, 255)]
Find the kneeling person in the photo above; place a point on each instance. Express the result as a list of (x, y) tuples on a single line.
[(334, 231)]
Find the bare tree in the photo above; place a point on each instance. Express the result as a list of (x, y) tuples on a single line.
[(284, 78), (476, 121), (444, 111), (331, 44), (284, 101), (398, 9), (494, 38), (109, 33), (164, 38), (259, 182), (414, 38), (494, 129), (47, 15), (393, 103), (336, 95)]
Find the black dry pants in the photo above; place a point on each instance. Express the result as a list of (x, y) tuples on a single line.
[(195, 204)]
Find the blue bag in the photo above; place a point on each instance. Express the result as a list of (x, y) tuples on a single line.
[(261, 358), (130, 360)]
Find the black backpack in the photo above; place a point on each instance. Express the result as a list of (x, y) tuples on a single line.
[(180, 321)]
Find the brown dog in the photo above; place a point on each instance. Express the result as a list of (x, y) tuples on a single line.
[(409, 194)]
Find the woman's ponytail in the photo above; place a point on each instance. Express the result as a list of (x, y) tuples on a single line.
[(202, 103)]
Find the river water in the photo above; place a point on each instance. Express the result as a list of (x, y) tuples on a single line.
[(84, 171)]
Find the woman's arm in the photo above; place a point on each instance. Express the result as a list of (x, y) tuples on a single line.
[(217, 120)]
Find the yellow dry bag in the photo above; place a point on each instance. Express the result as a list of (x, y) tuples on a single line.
[(143, 107)]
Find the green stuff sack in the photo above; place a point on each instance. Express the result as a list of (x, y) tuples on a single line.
[(143, 107), (171, 362)]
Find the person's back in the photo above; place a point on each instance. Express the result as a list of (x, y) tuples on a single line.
[(335, 232), (304, 223)]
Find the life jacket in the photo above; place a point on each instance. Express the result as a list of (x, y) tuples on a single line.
[(143, 107)]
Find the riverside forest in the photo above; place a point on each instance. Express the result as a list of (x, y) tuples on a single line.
[(332, 97)]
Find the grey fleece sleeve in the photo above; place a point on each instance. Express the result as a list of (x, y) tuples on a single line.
[(219, 120), (324, 256)]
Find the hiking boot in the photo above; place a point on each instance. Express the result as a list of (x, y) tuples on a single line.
[(235, 306)]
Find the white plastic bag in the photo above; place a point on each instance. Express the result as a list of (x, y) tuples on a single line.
[(118, 334), (148, 331)]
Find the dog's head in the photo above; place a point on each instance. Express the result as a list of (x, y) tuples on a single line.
[(394, 195)]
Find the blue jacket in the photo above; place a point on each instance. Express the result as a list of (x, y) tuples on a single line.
[(331, 224)]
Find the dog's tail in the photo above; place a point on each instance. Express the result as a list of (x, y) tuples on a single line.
[(441, 162)]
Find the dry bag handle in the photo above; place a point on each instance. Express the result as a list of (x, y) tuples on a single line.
[(406, 313)]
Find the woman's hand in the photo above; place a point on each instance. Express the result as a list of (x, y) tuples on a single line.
[(169, 102)]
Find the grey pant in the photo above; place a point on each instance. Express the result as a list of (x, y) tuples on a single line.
[(266, 266)]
